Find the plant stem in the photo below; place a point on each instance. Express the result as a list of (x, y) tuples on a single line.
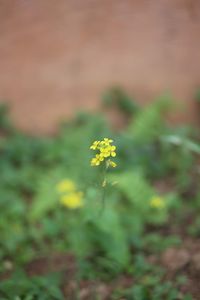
[(103, 186)]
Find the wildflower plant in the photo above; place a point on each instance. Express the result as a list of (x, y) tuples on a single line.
[(54, 171), (106, 151)]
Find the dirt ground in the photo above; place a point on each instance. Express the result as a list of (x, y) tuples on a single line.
[(59, 56)]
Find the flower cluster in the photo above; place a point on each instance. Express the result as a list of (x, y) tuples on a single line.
[(157, 202), (106, 150), (69, 195)]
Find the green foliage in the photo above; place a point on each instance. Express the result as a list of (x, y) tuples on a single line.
[(197, 95), (180, 153), (46, 198), (139, 193), (148, 283), (116, 97), (148, 124), (5, 123), (39, 287), (108, 235)]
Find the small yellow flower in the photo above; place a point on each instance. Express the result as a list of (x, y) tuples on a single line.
[(157, 202), (97, 160), (106, 141), (65, 185), (112, 151), (105, 150), (95, 145), (72, 200), (108, 151), (94, 162)]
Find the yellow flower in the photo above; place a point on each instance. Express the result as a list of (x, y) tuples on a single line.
[(70, 197), (65, 185), (105, 150), (94, 162), (97, 160), (112, 151), (157, 202), (106, 141), (95, 145), (108, 151), (72, 200)]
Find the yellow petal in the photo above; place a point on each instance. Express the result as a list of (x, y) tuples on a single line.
[(113, 154)]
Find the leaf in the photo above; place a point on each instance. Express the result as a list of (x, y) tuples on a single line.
[(149, 122)]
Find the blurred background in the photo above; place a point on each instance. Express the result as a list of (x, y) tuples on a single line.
[(99, 149), (59, 56)]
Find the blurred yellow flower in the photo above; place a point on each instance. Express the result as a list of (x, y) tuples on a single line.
[(72, 200), (105, 150), (70, 196), (157, 202), (66, 185)]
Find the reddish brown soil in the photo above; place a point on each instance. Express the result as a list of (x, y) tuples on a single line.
[(58, 56), (183, 260)]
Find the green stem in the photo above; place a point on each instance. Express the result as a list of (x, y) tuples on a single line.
[(103, 186)]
